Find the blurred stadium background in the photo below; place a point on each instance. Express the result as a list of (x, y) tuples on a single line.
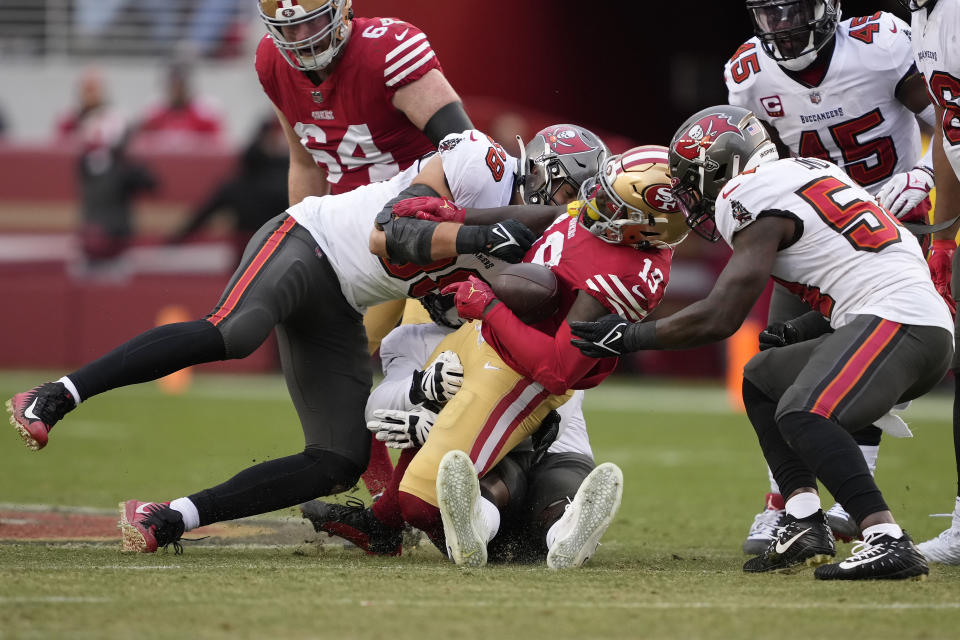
[(630, 71)]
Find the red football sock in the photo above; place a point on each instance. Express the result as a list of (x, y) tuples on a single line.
[(423, 516), (387, 507), (380, 468)]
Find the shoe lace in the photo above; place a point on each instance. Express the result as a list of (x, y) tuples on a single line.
[(766, 523), (866, 548)]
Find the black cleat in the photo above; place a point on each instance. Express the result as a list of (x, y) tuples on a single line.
[(878, 557), (355, 523), (808, 541)]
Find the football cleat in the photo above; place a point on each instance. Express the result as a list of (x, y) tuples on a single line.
[(764, 528), (842, 524), (34, 412), (808, 541), (878, 557), (458, 497), (945, 548), (354, 523), (146, 526), (586, 518)]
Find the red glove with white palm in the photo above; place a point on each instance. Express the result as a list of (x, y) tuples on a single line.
[(429, 208), (473, 297), (941, 268)]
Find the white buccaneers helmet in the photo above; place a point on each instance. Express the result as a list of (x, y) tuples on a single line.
[(629, 201), (306, 48)]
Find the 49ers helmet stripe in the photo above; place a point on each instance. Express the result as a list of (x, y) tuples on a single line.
[(630, 201)]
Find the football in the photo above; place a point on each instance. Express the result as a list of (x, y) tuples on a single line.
[(529, 290)]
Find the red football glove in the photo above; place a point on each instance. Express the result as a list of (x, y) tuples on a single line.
[(472, 296), (941, 268), (429, 208)]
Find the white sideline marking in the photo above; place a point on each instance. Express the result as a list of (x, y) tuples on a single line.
[(49, 599), (579, 604)]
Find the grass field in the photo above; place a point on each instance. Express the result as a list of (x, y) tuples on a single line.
[(669, 566)]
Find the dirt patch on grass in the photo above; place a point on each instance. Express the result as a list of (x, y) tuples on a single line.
[(65, 525)]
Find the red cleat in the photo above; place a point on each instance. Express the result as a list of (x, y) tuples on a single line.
[(145, 526), (34, 412)]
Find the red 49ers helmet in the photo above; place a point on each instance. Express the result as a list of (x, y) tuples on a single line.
[(308, 33), (629, 201)]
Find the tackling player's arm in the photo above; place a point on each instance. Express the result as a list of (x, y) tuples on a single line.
[(305, 177), (432, 105), (406, 239), (737, 288), (948, 184)]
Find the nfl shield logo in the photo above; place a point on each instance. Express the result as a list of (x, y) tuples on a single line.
[(318, 96), (815, 97)]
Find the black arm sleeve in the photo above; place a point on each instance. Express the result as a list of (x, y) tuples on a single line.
[(450, 118), (408, 239)]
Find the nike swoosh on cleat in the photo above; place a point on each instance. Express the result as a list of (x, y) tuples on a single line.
[(780, 548), (143, 508), (847, 564), (28, 412)]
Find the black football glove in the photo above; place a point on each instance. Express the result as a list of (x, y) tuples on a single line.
[(508, 240), (545, 435), (602, 338), (778, 334)]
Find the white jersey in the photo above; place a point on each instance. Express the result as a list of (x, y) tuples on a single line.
[(937, 52), (852, 118), (408, 347), (850, 257), (480, 174)]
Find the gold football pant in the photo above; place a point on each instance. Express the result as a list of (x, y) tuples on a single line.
[(379, 320), (495, 410)]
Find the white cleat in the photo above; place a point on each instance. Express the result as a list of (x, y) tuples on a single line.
[(458, 497), (944, 549), (587, 517)]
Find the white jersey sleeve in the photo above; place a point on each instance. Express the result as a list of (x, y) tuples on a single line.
[(849, 256), (480, 173), (937, 54), (403, 351)]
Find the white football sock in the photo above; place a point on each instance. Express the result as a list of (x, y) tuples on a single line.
[(870, 452), (803, 505), (191, 517), (68, 383), (491, 516), (893, 530)]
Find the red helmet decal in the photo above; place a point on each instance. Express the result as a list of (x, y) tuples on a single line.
[(660, 197), (704, 133), (563, 140)]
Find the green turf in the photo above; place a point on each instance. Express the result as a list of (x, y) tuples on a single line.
[(669, 566)]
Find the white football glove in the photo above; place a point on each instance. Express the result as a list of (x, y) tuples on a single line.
[(402, 429), (905, 190), (439, 381)]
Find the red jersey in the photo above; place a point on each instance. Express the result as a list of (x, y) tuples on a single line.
[(348, 122), (626, 281)]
